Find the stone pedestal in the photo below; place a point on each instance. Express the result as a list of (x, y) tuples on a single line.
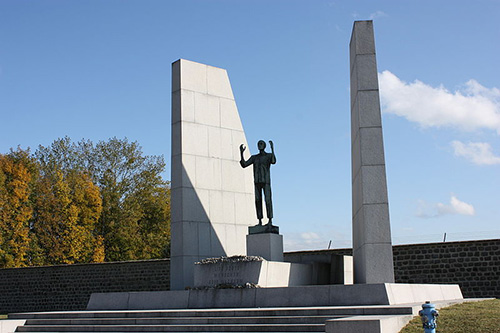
[(265, 274), (268, 246)]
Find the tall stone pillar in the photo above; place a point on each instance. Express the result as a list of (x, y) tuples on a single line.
[(372, 246), (212, 195)]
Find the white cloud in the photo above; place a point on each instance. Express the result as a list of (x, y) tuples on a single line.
[(455, 206), (477, 152), (473, 107), (377, 14)]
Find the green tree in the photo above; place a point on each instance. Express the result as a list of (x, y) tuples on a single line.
[(135, 219)]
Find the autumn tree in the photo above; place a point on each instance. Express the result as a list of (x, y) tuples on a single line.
[(67, 208), (15, 207), (135, 218)]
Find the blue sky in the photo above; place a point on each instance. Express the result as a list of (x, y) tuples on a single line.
[(99, 69)]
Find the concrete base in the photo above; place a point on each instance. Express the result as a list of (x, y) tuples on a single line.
[(10, 325), (333, 295), (262, 273), (268, 246)]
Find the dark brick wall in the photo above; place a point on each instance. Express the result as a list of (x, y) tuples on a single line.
[(474, 265), (68, 287)]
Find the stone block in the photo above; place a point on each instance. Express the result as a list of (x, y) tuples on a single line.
[(215, 142), (368, 108), (216, 207), (269, 246), (371, 146), (363, 41), (358, 294), (193, 76), (229, 115), (175, 299), (206, 110), (366, 72), (176, 144), (108, 301), (208, 173), (10, 325), (374, 184), (218, 83), (176, 75), (266, 274), (368, 324), (370, 225), (374, 264), (194, 139), (227, 145)]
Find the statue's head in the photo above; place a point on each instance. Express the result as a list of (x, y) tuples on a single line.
[(261, 145)]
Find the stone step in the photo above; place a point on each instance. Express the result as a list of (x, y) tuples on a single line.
[(177, 328), (184, 320), (259, 312)]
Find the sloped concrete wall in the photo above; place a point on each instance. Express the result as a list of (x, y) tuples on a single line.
[(212, 196)]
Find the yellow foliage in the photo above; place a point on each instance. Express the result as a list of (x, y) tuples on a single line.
[(15, 212), (68, 208)]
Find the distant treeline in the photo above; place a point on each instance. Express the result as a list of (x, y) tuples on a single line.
[(82, 202)]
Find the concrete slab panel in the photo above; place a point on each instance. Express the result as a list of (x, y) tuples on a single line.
[(377, 265), (176, 144), (108, 301), (204, 245), (194, 139), (229, 115), (371, 146), (218, 83), (10, 325), (226, 139), (188, 170), (158, 300), (193, 76), (214, 142), (375, 229), (368, 109), (268, 246), (367, 77), (374, 184), (206, 110)]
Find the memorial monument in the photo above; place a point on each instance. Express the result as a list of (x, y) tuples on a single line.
[(371, 231), (212, 196)]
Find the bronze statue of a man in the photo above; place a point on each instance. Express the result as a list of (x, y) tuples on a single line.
[(261, 176)]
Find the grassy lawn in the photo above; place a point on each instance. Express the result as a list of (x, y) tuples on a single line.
[(466, 317)]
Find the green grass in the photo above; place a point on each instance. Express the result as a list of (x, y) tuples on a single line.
[(467, 317)]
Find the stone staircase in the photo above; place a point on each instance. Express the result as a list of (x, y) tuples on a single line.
[(303, 319)]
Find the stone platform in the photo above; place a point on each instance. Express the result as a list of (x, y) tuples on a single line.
[(299, 296), (338, 319)]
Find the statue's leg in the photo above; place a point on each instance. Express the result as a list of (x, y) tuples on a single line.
[(258, 202), (269, 202)]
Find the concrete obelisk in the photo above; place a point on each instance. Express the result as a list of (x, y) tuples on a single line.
[(372, 246)]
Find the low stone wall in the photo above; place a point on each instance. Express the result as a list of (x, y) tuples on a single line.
[(68, 287), (474, 265)]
